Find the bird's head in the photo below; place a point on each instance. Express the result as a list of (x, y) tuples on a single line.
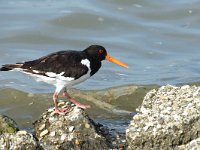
[(99, 53)]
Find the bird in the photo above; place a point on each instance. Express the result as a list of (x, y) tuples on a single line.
[(64, 69)]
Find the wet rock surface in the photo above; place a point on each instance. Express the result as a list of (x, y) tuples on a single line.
[(73, 130), (169, 118)]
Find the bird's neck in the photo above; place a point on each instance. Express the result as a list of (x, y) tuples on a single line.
[(95, 66)]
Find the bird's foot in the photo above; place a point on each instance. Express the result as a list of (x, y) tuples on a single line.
[(62, 111), (57, 111)]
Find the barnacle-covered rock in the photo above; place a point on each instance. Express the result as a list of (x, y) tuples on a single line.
[(72, 130), (168, 117)]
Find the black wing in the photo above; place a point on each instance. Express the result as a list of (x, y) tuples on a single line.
[(62, 61)]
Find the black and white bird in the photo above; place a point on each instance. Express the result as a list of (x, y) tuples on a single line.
[(64, 69)]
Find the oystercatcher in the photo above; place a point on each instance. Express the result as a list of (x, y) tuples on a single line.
[(64, 69)]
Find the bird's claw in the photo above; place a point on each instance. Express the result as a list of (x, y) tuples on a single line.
[(61, 111)]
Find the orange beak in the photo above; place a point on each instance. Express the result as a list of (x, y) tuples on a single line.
[(113, 60)]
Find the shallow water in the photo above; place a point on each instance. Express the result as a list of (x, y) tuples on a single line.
[(158, 40)]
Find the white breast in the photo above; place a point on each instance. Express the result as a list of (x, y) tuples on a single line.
[(61, 83)]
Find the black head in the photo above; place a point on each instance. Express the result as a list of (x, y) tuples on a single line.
[(96, 52)]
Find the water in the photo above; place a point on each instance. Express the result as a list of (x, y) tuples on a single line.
[(159, 40)]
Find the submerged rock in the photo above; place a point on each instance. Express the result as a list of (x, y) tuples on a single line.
[(73, 130), (117, 100), (7, 125), (169, 118)]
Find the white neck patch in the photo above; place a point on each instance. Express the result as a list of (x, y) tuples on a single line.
[(86, 62)]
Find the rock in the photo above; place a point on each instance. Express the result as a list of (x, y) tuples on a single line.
[(43, 133), (7, 125), (194, 145), (168, 118), (73, 130), (18, 141), (11, 138)]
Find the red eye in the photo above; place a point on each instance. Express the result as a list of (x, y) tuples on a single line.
[(101, 51)]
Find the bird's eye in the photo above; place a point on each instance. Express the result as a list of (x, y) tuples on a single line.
[(101, 51)]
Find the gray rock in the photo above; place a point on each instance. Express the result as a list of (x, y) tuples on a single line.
[(168, 118), (73, 130)]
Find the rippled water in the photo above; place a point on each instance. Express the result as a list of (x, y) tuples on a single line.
[(159, 40)]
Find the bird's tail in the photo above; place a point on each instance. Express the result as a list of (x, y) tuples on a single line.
[(8, 67)]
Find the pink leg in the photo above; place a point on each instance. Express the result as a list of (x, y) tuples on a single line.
[(55, 98), (75, 102)]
